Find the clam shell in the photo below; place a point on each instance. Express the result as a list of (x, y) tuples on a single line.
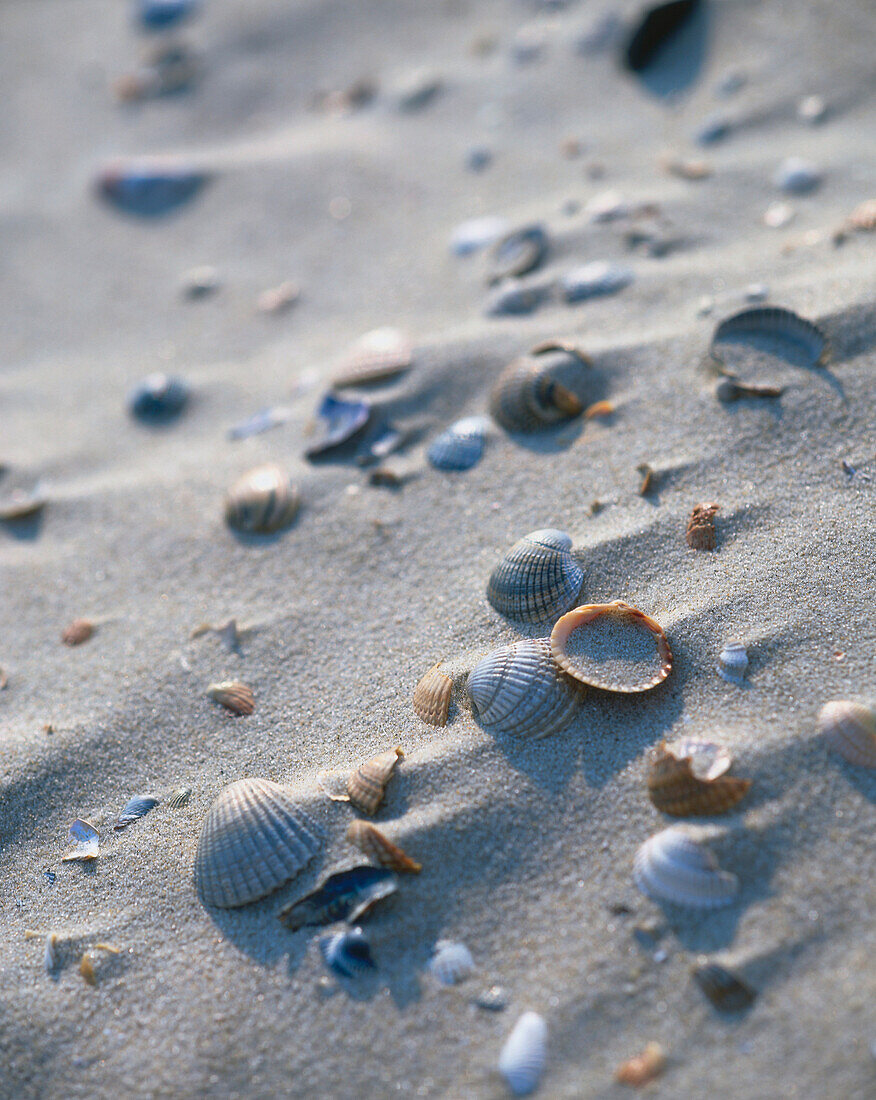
[(797, 176), (432, 696), (346, 895), (518, 690), (460, 446), (347, 953), (253, 840), (158, 397), (79, 631), (537, 579), (672, 866), (614, 662), (149, 188), (137, 807), (262, 501), (477, 233), (723, 988), (524, 1054), (87, 842), (233, 695), (700, 533), (178, 797), (379, 849), (781, 325), (21, 502), (344, 420), (593, 280), (533, 392), (850, 729), (518, 253), (377, 356), (644, 1067), (674, 788), (732, 662), (367, 785), (451, 963)]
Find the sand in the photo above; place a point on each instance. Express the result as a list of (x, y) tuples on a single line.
[(526, 847)]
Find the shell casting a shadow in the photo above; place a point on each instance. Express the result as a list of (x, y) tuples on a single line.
[(782, 326), (538, 390), (537, 579), (849, 728), (432, 697), (726, 991), (380, 849), (524, 1054), (262, 501), (367, 785), (675, 788), (673, 866), (345, 895)]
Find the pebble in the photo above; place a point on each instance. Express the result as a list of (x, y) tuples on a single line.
[(593, 279), (200, 282), (416, 89), (478, 158), (513, 297), (797, 176), (730, 83)]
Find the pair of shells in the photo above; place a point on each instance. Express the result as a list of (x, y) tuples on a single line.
[(262, 501), (537, 579), (539, 390), (673, 866), (689, 778), (523, 1057), (850, 729), (700, 534)]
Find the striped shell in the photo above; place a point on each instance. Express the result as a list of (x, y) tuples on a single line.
[(347, 953), (724, 989), (674, 867), (513, 297), (451, 963), (595, 668), (700, 533), (345, 895), (732, 662), (377, 356), (537, 579), (524, 1054), (135, 809), (460, 446), (674, 788), (367, 785), (233, 695), (781, 325), (379, 849), (518, 690), (254, 839), (262, 501), (79, 631), (432, 697), (850, 729), (536, 391), (179, 797)]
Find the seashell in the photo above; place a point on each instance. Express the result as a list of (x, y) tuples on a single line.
[(478, 158), (372, 843), (346, 895), (611, 646), (432, 697), (377, 356), (347, 953), (729, 388), (50, 956), (90, 958), (646, 473), (234, 696), (518, 690), (685, 168), (708, 760), (21, 502), (607, 206), (149, 189), (158, 15), (776, 323), (493, 999), (863, 217), (642, 1069), (850, 729), (138, 807), (724, 989), (601, 34), (416, 89), (200, 282), (253, 840), (513, 297), (812, 109), (460, 446), (593, 279), (4, 680), (277, 299), (262, 501), (656, 27), (700, 533), (518, 253), (533, 392), (797, 176), (713, 129), (477, 233), (87, 842), (79, 631), (169, 68), (451, 963), (673, 867), (732, 662), (778, 214), (367, 785), (262, 421), (537, 579), (523, 1056), (178, 797), (675, 789), (344, 422), (158, 397)]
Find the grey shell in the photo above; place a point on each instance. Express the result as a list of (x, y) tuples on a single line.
[(673, 866), (451, 963), (535, 392), (594, 279), (262, 501), (518, 253), (137, 807), (347, 953), (523, 1056), (732, 662), (254, 839), (780, 325), (460, 446), (538, 579)]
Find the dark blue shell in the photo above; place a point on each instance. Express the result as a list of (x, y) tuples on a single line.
[(156, 15), (460, 446), (348, 953), (158, 397), (149, 191), (138, 807), (344, 420), (343, 896)]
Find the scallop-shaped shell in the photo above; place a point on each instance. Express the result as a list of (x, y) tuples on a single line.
[(179, 797), (77, 632), (537, 579), (158, 397), (517, 253), (533, 392), (380, 849), (262, 501), (779, 324), (723, 988), (347, 953), (732, 662), (460, 446), (518, 690), (524, 1054), (432, 697), (233, 695), (674, 788), (137, 807), (850, 729), (367, 785), (253, 841), (674, 867), (700, 533), (451, 963), (587, 670)]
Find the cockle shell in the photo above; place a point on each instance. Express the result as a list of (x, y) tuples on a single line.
[(135, 809), (724, 989), (534, 392), (610, 646), (451, 963), (524, 1054), (367, 785), (377, 356), (77, 632), (643, 1068), (233, 695), (348, 952), (262, 501), (732, 662), (700, 533), (179, 797), (537, 579), (518, 253), (346, 895), (254, 839), (674, 867), (460, 446), (378, 848), (675, 789), (87, 842), (519, 690), (850, 729), (432, 696)]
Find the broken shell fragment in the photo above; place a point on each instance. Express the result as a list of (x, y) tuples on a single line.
[(378, 848), (729, 388), (849, 728), (348, 953), (346, 895), (460, 446), (432, 696), (732, 662), (179, 797), (50, 955), (536, 391), (254, 839), (524, 1054), (87, 842), (672, 866), (79, 631), (344, 421), (611, 646), (708, 760), (149, 188), (675, 789), (90, 959), (377, 356), (233, 695), (537, 579), (700, 533), (517, 253), (451, 963), (135, 809), (262, 501), (643, 1068), (21, 502), (782, 326), (367, 785), (724, 989)]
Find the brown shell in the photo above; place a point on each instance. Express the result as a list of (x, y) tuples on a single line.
[(367, 785), (79, 631), (375, 357), (701, 527), (379, 849), (233, 695), (643, 1068), (863, 217), (647, 475), (432, 697), (674, 789)]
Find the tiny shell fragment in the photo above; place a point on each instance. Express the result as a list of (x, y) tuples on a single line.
[(87, 842), (50, 957), (277, 299), (89, 959), (378, 848), (233, 695), (700, 532), (643, 1068), (367, 785), (674, 788), (79, 631)]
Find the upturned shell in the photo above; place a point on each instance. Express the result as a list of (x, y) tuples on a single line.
[(732, 662), (262, 501), (377, 356), (611, 646), (518, 690), (380, 849), (518, 253), (79, 631), (700, 534), (643, 1068), (780, 325), (345, 895), (233, 695), (850, 729), (674, 788), (432, 696), (672, 866), (460, 446), (523, 1056), (367, 785), (537, 579), (724, 989), (347, 953), (254, 839), (135, 809), (149, 188), (451, 963), (534, 392)]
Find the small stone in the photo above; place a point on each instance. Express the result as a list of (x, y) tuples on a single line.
[(797, 176), (812, 109), (712, 129), (778, 214)]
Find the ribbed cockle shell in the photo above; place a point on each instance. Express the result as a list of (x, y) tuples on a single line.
[(540, 390), (537, 579), (673, 866), (523, 1056), (432, 696), (850, 729)]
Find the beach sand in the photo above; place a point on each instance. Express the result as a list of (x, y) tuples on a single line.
[(527, 846)]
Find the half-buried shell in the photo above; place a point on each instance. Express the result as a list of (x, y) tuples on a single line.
[(850, 729), (537, 579), (724, 989), (233, 695), (451, 963), (367, 785), (347, 953), (262, 501), (380, 849), (135, 809), (377, 356), (87, 842), (732, 662), (675, 789), (432, 696), (524, 1054), (255, 838), (345, 895), (460, 446), (517, 253), (781, 327), (537, 391), (672, 866)]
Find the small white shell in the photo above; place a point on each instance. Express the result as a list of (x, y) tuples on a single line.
[(732, 662), (673, 866), (460, 446), (538, 579), (451, 962), (50, 958), (477, 233), (850, 729), (523, 1056)]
